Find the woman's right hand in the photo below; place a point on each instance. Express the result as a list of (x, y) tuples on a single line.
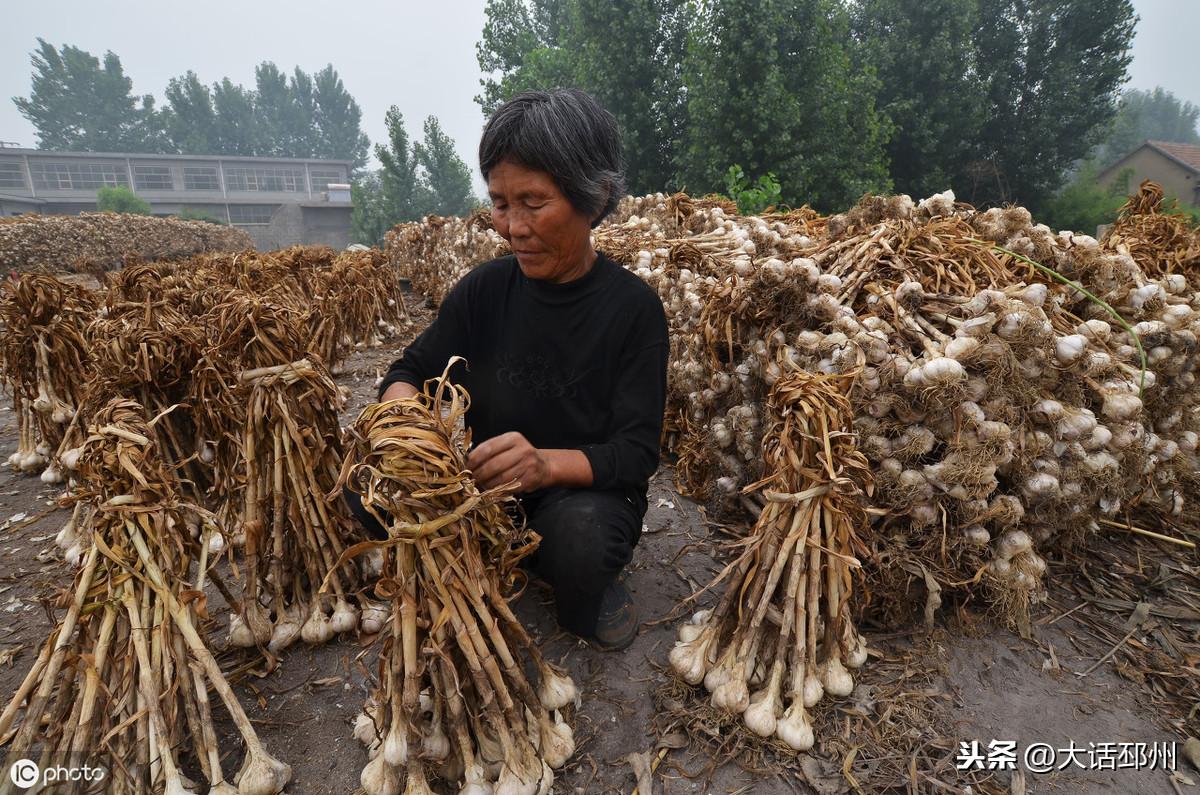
[(398, 391)]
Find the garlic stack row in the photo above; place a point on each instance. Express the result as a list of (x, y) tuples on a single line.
[(994, 402)]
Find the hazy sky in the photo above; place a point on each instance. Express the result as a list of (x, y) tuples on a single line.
[(417, 55)]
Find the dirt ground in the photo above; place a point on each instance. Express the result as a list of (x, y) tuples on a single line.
[(922, 694)]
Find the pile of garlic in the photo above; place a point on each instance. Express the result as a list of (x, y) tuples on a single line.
[(435, 253), (992, 400)]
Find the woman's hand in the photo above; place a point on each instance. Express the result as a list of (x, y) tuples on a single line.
[(397, 390), (508, 457)]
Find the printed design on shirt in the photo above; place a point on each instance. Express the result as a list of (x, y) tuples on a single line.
[(538, 376)]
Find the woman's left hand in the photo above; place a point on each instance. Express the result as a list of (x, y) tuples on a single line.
[(509, 457)]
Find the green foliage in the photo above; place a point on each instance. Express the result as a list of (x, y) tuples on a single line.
[(695, 85), (189, 117), (282, 126), (1052, 70), (398, 177), (416, 179), (192, 214), (370, 218), (76, 103), (445, 180), (1082, 205), (770, 85), (121, 199), (936, 104), (752, 198), (338, 119), (544, 44), (1148, 115), (300, 115)]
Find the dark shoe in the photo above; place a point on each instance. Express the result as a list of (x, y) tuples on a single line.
[(618, 623)]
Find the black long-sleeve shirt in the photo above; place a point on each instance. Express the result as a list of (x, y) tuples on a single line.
[(581, 365)]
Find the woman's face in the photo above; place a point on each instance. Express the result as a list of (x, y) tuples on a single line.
[(552, 240)]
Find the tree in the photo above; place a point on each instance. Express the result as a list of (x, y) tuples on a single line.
[(370, 218), (190, 120), (646, 96), (416, 179), (338, 120), (544, 44), (1083, 205), (398, 177), (510, 35), (120, 199), (283, 113), (302, 116), (235, 130), (445, 178), (77, 104), (936, 103), (1148, 115), (770, 86), (1052, 70)]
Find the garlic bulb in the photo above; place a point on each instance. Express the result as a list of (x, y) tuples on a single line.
[(813, 690), (380, 778), (316, 629), (364, 729), (263, 774), (240, 635), (794, 728), (1120, 406), (733, 695), (287, 629), (395, 747), (688, 659), (344, 618), (435, 745), (557, 689), (373, 617), (557, 741), (835, 677)]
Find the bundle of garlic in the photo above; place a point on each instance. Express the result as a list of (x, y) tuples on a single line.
[(435, 253), (123, 680), (43, 359), (1006, 412), (453, 701), (146, 352), (268, 426), (1159, 241), (783, 626), (356, 302)]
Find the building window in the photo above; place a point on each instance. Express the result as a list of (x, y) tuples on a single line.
[(77, 176), (251, 214), (288, 180), (153, 178), (200, 178), (322, 177), (11, 175)]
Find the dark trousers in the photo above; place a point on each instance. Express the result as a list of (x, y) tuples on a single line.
[(588, 536)]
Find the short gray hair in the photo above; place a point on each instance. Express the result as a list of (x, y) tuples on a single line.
[(567, 134)]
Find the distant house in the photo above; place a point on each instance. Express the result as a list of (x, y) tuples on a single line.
[(1174, 166), (278, 201)]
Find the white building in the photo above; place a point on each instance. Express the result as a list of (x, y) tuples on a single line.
[(278, 201)]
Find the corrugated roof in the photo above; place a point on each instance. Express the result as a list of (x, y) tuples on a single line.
[(1187, 154)]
